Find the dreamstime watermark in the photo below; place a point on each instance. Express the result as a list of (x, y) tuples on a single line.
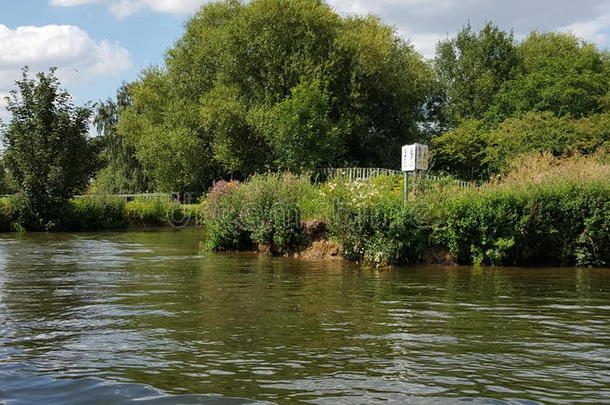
[(184, 211), (251, 216)]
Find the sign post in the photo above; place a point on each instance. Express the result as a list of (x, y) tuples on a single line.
[(414, 158)]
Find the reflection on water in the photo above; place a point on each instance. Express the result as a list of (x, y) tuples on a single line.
[(104, 318)]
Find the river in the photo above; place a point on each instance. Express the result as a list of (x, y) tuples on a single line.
[(142, 318)]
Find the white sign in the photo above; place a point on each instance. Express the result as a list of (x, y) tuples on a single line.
[(415, 157)]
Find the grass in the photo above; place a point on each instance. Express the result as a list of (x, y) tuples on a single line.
[(106, 212)]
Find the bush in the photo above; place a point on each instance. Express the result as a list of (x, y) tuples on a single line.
[(23, 214), (222, 218), (473, 151), (267, 210), (6, 215), (555, 223), (152, 211), (95, 213), (382, 233), (371, 223), (272, 212)]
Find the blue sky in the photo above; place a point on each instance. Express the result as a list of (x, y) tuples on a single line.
[(144, 36), (97, 44)]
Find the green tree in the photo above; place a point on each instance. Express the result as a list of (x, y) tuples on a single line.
[(7, 185), (167, 135), (545, 132), (471, 68), (238, 63), (235, 143), (558, 72), (473, 151), (47, 150), (300, 131), (462, 151), (122, 172)]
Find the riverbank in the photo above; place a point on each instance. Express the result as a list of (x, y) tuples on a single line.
[(543, 212), (95, 213)]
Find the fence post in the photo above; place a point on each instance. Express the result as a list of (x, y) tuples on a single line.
[(405, 187)]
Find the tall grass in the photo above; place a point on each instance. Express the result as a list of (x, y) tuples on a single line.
[(101, 212), (95, 213), (544, 168)]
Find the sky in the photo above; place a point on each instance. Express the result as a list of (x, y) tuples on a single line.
[(98, 44)]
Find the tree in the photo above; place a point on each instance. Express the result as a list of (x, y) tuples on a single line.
[(46, 146), (473, 151), (240, 64), (167, 135), (546, 132), (122, 172), (552, 99), (558, 72), (300, 131), (472, 67), (7, 185), (462, 151)]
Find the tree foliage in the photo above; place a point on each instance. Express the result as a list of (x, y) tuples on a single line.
[(351, 89), (47, 150), (474, 152), (548, 94), (472, 67), (7, 184), (558, 72), (122, 172)]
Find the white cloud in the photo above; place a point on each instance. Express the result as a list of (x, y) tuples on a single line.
[(595, 30), (124, 8), (425, 22), (76, 55)]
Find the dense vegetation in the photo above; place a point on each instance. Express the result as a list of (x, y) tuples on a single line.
[(291, 85), (561, 217), (47, 151), (275, 84), (500, 99), (95, 213)]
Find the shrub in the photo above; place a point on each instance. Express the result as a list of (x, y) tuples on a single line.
[(371, 223), (152, 211), (272, 213), (563, 223), (23, 215), (381, 233), (552, 219), (6, 215), (95, 213), (222, 218), (266, 210)]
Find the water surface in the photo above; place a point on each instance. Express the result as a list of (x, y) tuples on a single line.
[(141, 317)]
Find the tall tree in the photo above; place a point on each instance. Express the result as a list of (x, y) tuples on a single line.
[(214, 108), (472, 67), (558, 72), (47, 149), (122, 172)]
